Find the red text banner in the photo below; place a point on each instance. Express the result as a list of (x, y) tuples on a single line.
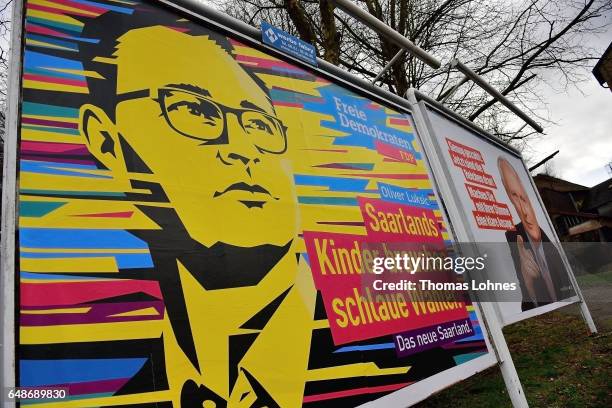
[(488, 213), (392, 222), (394, 152), (357, 311)]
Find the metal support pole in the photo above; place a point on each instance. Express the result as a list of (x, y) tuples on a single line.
[(389, 65), (495, 94), (519, 131), (506, 365), (544, 160), (452, 91), (380, 27)]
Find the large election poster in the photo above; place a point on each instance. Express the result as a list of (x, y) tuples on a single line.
[(191, 212), (505, 219)]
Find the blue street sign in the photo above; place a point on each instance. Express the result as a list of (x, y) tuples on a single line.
[(288, 44)]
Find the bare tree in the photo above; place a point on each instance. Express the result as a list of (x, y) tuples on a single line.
[(516, 45), (5, 29)]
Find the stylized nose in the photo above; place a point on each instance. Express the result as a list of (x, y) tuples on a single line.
[(239, 149)]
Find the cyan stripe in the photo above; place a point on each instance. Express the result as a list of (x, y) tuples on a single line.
[(55, 24), (366, 347), (78, 238), (27, 191), (37, 208), (328, 200), (462, 358), (47, 372), (41, 109), (52, 40), (73, 132), (123, 10)]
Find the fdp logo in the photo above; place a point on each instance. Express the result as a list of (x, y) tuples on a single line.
[(271, 35)]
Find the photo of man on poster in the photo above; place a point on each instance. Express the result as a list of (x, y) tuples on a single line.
[(542, 275)]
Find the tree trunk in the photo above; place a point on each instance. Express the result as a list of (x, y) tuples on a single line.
[(329, 34)]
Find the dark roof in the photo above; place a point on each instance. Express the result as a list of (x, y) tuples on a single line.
[(597, 69), (557, 184), (599, 195)]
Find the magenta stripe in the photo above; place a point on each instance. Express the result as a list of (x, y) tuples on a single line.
[(56, 159), (96, 387), (92, 387), (100, 313), (51, 147), (54, 80), (45, 122)]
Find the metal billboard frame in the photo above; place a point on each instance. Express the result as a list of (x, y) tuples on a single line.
[(252, 36), (431, 144), (422, 104)]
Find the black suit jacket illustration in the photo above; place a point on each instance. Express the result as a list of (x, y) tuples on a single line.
[(558, 272)]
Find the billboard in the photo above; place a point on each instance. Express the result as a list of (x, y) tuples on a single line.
[(182, 193), (502, 212)]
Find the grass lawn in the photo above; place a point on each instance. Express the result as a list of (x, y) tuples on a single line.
[(558, 363), (595, 279)]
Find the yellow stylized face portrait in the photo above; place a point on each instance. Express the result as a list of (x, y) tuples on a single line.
[(207, 132)]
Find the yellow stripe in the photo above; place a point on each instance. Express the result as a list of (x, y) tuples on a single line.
[(90, 332), (149, 311), (105, 60), (62, 7), (86, 251), (138, 398), (46, 86), (78, 265), (55, 17), (55, 311), (89, 74), (43, 117), (26, 280), (320, 324), (42, 136), (353, 370), (37, 43)]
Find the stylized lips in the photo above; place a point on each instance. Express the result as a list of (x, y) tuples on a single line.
[(241, 186)]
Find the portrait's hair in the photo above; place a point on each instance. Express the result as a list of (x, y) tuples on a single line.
[(501, 163), (111, 26)]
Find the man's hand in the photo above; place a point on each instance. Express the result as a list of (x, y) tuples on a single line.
[(529, 266)]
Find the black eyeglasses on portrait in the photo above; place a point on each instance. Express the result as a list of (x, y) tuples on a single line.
[(198, 117)]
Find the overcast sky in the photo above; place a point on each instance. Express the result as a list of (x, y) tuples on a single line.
[(583, 124), (583, 133)]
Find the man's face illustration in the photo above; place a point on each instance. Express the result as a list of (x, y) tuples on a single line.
[(520, 199), (209, 134)]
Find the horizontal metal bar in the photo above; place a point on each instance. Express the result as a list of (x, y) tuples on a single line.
[(377, 25), (519, 131), (495, 94), (389, 64), (452, 91), (544, 160)]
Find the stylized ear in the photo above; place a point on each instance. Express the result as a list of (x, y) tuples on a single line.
[(102, 137)]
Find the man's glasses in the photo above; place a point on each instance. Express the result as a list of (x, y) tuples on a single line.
[(199, 117)]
